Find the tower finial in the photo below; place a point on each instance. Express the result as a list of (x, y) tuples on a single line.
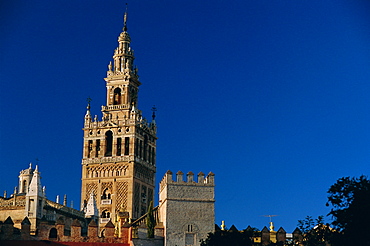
[(223, 225), (125, 20), (154, 109), (271, 223), (88, 103)]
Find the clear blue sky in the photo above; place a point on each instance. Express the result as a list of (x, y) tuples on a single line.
[(271, 96)]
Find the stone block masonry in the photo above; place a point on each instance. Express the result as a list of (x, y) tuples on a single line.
[(187, 207)]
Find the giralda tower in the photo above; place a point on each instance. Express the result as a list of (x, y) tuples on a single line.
[(118, 164)]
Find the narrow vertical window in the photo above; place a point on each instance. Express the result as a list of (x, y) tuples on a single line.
[(24, 186), (190, 228), (108, 143), (119, 146), (145, 154), (141, 149), (97, 148), (153, 156), (89, 148), (127, 145), (136, 147), (149, 154)]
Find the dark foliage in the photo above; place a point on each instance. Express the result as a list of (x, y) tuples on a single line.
[(315, 232), (350, 200), (231, 238), (150, 221)]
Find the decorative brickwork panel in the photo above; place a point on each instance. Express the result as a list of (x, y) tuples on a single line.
[(91, 188), (106, 171), (121, 196), (106, 185)]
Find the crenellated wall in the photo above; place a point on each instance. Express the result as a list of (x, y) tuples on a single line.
[(186, 207), (57, 232)]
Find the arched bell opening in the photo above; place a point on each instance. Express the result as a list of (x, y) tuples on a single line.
[(117, 96)]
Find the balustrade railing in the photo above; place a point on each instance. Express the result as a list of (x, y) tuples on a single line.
[(142, 219)]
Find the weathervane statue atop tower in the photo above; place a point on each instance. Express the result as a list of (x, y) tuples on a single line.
[(125, 20)]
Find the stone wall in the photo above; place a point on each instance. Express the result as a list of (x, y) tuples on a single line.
[(187, 208)]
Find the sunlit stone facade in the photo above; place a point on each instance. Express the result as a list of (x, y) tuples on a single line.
[(118, 164)]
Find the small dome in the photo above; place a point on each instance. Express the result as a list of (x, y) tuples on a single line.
[(124, 36)]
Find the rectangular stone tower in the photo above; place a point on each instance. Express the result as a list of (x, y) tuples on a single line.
[(186, 208)]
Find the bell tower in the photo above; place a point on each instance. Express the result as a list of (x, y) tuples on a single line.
[(119, 152)]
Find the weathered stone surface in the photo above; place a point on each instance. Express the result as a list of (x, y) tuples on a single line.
[(186, 208)]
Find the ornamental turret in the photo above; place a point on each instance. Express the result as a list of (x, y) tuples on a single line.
[(35, 200), (25, 178)]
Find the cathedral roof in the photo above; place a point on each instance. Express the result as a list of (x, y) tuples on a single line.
[(92, 224), (60, 221), (8, 221), (76, 223), (281, 229), (265, 229), (233, 228), (26, 221), (109, 224), (297, 231)]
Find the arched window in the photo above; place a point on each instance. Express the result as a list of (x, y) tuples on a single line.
[(53, 234), (108, 143), (106, 194), (24, 186), (117, 98), (105, 214)]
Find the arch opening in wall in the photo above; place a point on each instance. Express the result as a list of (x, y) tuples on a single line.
[(106, 194), (105, 214), (117, 97), (53, 234), (108, 143)]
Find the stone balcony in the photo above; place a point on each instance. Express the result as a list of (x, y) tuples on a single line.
[(114, 107)]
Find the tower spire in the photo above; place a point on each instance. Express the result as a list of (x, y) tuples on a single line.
[(88, 114), (88, 103), (35, 185)]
